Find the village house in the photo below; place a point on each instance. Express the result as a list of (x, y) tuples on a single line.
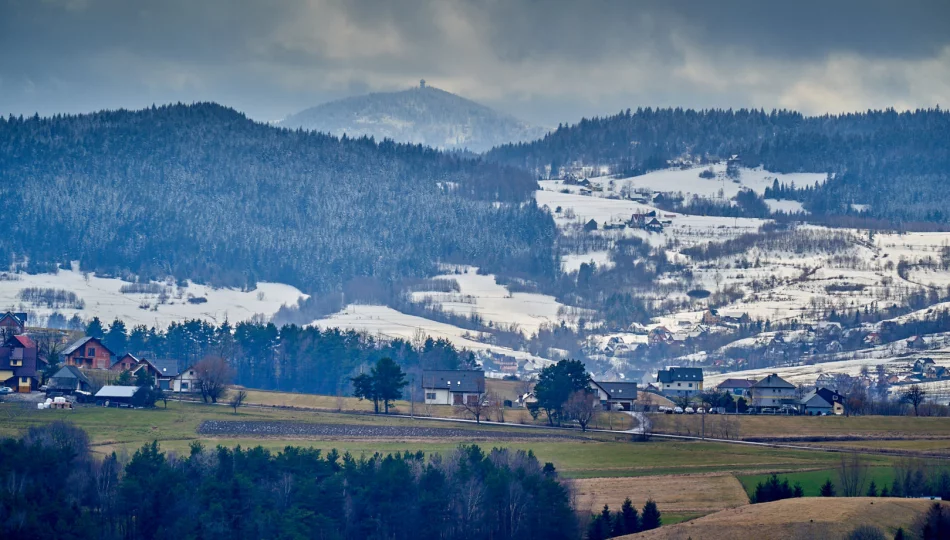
[(186, 381), (736, 387), (822, 401), (916, 342), (936, 372), (773, 392), (711, 317), (921, 365), (658, 335), (615, 396), (452, 387), (89, 353), (69, 380), (163, 372), (12, 324), (126, 363), (20, 366), (873, 338), (678, 381)]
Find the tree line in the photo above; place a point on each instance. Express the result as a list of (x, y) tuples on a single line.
[(59, 490), (288, 358)]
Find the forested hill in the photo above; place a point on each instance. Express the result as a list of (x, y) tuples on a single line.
[(425, 115), (897, 163), (202, 192)]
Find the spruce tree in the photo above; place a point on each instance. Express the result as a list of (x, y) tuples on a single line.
[(651, 516), (827, 489), (872, 489), (631, 522), (94, 328)]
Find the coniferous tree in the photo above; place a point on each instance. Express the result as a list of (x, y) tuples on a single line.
[(651, 518), (628, 513), (827, 489), (94, 328)]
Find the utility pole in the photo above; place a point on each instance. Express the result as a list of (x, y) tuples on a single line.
[(412, 395)]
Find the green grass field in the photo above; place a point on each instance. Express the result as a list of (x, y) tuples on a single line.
[(796, 427), (601, 455), (811, 481)]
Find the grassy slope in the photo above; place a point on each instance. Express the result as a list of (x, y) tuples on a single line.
[(811, 481), (794, 519), (603, 455), (809, 426)]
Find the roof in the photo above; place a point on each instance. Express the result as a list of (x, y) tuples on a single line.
[(19, 318), (23, 341), (455, 380), (74, 346), (828, 395), (679, 374), (117, 391), (616, 390), (165, 367), (773, 381), (735, 383), (124, 356), (814, 399), (71, 372)]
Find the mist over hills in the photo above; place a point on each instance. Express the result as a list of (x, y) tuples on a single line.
[(421, 115)]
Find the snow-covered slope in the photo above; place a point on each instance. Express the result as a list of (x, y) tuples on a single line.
[(102, 297), (422, 115)]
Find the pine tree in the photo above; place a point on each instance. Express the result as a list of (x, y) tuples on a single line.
[(94, 328), (872, 489), (630, 520), (899, 535), (116, 338), (651, 516), (827, 489)]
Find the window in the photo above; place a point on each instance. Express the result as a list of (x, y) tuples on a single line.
[(91, 351), (184, 385), (456, 399), (16, 363), (430, 395), (690, 385)]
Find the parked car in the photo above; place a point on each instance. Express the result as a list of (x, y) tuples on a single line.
[(678, 410), (690, 410), (700, 411), (5, 390)]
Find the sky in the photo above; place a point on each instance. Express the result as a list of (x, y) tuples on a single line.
[(545, 61)]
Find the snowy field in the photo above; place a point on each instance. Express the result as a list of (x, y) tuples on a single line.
[(388, 323), (572, 262), (493, 302), (688, 181), (103, 299)]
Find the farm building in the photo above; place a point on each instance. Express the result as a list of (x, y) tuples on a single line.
[(122, 396), (452, 387), (69, 380)]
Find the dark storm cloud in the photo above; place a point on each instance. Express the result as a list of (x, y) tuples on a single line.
[(550, 60)]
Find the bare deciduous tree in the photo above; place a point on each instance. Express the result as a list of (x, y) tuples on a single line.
[(237, 399), (475, 405), (852, 475), (581, 407), (915, 396), (214, 375)]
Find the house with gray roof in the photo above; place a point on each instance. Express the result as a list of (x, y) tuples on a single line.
[(617, 396), (773, 392), (69, 380), (680, 382), (452, 387)]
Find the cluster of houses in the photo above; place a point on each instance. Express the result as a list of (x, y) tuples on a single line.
[(712, 318), (461, 387), (771, 393), (22, 367)]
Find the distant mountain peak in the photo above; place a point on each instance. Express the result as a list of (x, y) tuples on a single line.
[(422, 114)]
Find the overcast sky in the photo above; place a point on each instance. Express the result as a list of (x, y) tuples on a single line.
[(546, 61)]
